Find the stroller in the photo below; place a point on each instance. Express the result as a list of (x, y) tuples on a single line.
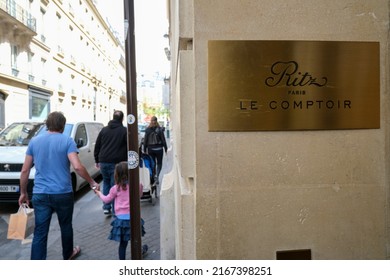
[(146, 167)]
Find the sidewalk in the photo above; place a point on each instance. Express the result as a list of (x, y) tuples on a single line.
[(91, 229)]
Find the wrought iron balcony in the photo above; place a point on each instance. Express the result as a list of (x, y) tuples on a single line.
[(10, 10)]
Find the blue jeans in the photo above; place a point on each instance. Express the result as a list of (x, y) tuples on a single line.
[(44, 207), (107, 170)]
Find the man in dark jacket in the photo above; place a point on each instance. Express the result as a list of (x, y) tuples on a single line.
[(110, 149)]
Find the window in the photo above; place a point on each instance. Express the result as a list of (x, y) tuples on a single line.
[(39, 104), (43, 67), (60, 78), (30, 64), (81, 136), (72, 84), (30, 56), (41, 27), (61, 38), (39, 108), (11, 7), (30, 4), (2, 110), (14, 56)]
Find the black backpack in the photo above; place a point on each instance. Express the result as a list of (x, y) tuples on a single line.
[(154, 138)]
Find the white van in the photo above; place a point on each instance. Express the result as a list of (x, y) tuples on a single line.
[(13, 145)]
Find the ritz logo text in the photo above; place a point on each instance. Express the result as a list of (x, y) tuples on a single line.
[(287, 74)]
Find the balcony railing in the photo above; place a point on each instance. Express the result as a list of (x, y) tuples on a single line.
[(15, 72), (20, 14)]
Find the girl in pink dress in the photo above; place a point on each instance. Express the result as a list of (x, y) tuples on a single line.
[(119, 193)]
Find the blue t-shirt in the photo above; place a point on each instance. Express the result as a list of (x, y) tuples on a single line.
[(50, 155)]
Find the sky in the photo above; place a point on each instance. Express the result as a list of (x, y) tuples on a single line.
[(151, 23)]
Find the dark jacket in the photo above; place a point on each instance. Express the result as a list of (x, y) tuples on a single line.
[(111, 143), (161, 142)]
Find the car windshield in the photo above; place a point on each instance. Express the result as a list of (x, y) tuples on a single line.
[(19, 134), (67, 130)]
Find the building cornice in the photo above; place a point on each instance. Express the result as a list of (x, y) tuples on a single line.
[(22, 83)]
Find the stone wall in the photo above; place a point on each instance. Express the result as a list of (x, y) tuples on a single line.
[(252, 194)]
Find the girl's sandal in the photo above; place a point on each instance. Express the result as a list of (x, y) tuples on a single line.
[(76, 252)]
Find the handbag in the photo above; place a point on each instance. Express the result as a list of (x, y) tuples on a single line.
[(22, 223)]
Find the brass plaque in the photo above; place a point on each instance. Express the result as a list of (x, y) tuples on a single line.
[(293, 85)]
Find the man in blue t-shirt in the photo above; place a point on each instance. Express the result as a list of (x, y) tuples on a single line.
[(52, 153)]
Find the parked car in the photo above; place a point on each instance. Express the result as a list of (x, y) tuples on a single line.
[(13, 145)]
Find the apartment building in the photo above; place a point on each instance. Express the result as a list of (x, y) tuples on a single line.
[(58, 55)]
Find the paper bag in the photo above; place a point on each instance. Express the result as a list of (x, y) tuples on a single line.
[(21, 224)]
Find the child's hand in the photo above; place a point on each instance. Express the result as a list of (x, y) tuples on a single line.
[(95, 186)]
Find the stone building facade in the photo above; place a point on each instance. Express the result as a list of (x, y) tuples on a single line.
[(319, 194), (58, 55)]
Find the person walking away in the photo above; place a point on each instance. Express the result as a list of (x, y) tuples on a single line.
[(120, 193), (52, 153), (110, 149), (155, 145)]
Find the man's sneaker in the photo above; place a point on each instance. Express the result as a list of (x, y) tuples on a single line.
[(106, 212)]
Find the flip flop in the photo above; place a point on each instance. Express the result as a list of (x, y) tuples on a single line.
[(76, 252)]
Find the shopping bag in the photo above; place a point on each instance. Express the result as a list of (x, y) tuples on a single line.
[(21, 224)]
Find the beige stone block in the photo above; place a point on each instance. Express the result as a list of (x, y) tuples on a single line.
[(334, 222), (187, 115), (257, 193)]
